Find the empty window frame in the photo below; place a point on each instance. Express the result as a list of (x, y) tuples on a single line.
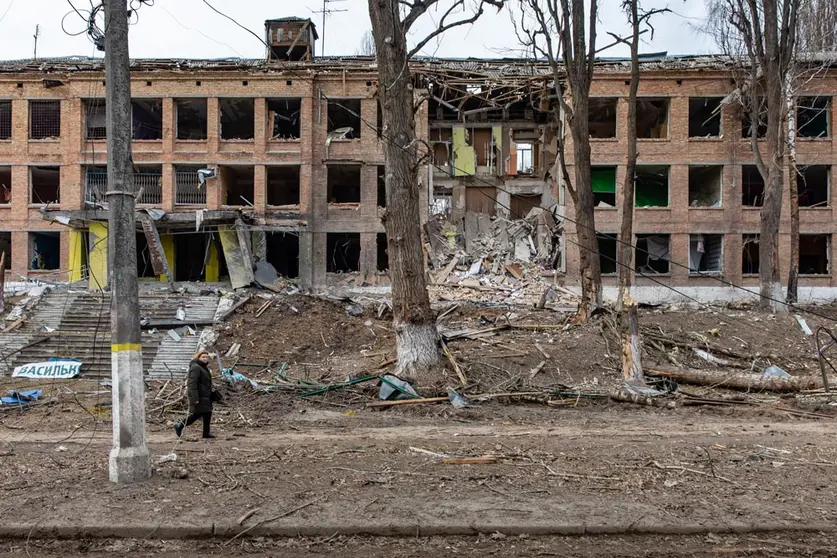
[(603, 117), (238, 119), (188, 189), (442, 141), (525, 158), (814, 254), (382, 187), (147, 119), (95, 119), (813, 117), (44, 251), (5, 120), (752, 186), (238, 185), (44, 120), (283, 118), (607, 252), (652, 118), (705, 185), (483, 146), (344, 118), (45, 185), (706, 254), (746, 125), (705, 117), (5, 185), (6, 247), (383, 253), (342, 252), (812, 185), (750, 254), (145, 269), (283, 185), (604, 186), (191, 119), (283, 252), (653, 253), (651, 186), (343, 183)]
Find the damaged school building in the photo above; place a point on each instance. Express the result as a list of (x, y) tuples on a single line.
[(280, 160)]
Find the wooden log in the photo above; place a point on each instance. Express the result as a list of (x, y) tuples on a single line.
[(483, 460), (631, 344), (739, 380), (405, 402), (626, 396)]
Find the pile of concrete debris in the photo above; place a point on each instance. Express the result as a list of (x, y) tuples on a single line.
[(491, 259)]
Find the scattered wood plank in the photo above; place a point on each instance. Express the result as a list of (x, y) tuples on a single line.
[(542, 351), (264, 307), (445, 273), (421, 401), (534, 371), (484, 460), (234, 307), (739, 380), (14, 325), (515, 270)]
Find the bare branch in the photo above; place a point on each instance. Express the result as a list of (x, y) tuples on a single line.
[(421, 6)]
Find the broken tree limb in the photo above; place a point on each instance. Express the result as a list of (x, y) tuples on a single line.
[(626, 396), (739, 380), (484, 460), (406, 402), (534, 371), (453, 363)]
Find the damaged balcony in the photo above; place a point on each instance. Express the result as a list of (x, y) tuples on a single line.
[(148, 183), (283, 187), (343, 187), (238, 185), (705, 185), (237, 120), (188, 189), (283, 120)]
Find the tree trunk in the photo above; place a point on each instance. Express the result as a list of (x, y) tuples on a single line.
[(739, 380), (417, 339), (793, 268), (2, 281)]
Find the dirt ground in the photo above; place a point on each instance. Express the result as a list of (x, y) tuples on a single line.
[(586, 460)]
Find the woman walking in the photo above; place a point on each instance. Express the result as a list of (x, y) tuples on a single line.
[(199, 391)]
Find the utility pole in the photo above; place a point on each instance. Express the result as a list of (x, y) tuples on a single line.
[(36, 35), (327, 11), (129, 458)]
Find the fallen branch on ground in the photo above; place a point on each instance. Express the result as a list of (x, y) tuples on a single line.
[(738, 380)]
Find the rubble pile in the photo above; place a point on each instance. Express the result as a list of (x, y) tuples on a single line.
[(492, 259)]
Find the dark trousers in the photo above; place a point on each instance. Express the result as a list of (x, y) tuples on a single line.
[(207, 418)]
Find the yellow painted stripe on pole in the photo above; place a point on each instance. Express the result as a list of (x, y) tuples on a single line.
[(121, 347)]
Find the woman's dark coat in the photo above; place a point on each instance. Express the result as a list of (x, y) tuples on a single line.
[(199, 388)]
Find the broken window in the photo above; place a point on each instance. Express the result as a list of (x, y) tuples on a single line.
[(746, 123), (813, 185), (5, 120), (188, 189), (5, 185), (344, 118), (238, 185), (651, 185), (44, 250), (45, 185), (343, 183), (705, 185), (144, 268), (237, 119), (283, 252), (814, 252), (705, 117), (607, 253), (752, 186), (525, 158), (191, 119), (706, 253), (652, 118), (442, 141), (383, 253), (6, 247), (603, 118), (343, 252), (283, 185), (382, 187), (191, 256), (44, 119), (148, 182), (604, 186), (750, 254), (652, 253), (283, 118), (147, 119), (522, 204), (95, 119), (813, 117)]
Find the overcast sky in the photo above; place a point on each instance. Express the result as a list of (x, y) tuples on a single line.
[(190, 29)]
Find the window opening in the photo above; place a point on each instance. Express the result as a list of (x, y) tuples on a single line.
[(652, 253), (343, 251), (705, 186)]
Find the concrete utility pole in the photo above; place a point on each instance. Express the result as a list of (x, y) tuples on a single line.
[(129, 459)]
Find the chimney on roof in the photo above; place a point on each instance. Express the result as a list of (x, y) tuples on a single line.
[(290, 38)]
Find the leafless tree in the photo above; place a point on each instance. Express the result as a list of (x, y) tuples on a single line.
[(763, 35), (561, 32), (417, 338), (818, 26), (367, 45)]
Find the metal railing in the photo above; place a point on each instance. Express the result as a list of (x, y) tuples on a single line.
[(188, 190), (149, 183)]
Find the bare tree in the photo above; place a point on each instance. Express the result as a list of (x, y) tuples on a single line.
[(763, 33), (818, 26), (557, 30), (417, 338), (367, 45)]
